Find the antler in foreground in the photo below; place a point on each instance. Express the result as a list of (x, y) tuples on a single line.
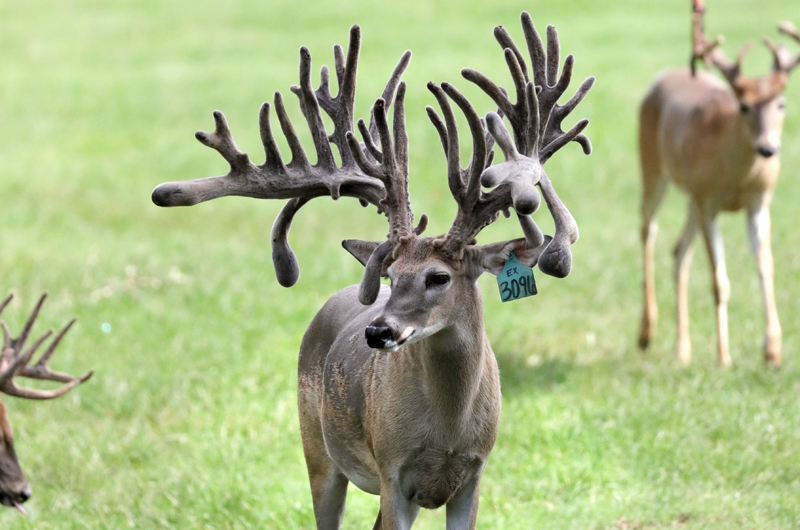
[(15, 359), (372, 175), (536, 120)]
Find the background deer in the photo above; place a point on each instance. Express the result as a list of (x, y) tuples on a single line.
[(720, 143), (14, 490), (411, 413)]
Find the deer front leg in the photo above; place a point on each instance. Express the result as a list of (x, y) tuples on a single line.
[(462, 509), (652, 196), (683, 261), (397, 512), (722, 286), (758, 229)]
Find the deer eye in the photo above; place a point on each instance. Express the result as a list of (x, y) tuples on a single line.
[(744, 108), (437, 279)]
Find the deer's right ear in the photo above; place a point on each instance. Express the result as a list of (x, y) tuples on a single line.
[(361, 250)]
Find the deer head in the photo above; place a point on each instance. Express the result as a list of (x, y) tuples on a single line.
[(14, 359), (761, 100), (432, 277)]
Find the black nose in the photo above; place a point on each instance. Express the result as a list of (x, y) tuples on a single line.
[(24, 495), (378, 335), (766, 151)]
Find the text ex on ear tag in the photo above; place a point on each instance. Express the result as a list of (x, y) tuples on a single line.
[(516, 281)]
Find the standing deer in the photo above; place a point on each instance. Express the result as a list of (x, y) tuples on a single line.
[(719, 142), (411, 413), (14, 490)]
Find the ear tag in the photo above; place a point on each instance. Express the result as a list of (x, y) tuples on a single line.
[(516, 281)]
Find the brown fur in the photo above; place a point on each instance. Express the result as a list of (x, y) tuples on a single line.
[(707, 138)]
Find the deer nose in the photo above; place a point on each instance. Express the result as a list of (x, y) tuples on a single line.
[(379, 335), (766, 150)]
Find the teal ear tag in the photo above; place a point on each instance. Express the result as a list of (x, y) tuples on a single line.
[(516, 281)]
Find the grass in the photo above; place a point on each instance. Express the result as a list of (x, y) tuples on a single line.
[(190, 420)]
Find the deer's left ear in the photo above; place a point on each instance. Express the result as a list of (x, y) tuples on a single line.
[(492, 257), (373, 256), (361, 250)]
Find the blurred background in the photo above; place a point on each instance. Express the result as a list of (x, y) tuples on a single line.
[(190, 420)]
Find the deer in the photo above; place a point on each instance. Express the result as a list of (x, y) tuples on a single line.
[(14, 362), (398, 387), (719, 142)]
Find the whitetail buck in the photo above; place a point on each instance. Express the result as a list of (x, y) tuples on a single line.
[(720, 143), (14, 490), (411, 413)]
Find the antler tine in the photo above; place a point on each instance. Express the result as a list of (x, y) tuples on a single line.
[(14, 362), (788, 62), (5, 302)]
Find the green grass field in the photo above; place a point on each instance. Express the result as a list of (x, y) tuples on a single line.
[(190, 420)]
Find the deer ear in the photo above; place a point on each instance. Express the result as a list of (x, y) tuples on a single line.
[(492, 257), (361, 250), (372, 255)]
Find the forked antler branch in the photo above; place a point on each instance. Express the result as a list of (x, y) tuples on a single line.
[(783, 60), (536, 121), (377, 176), (15, 359)]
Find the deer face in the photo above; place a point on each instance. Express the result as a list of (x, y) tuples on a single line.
[(13, 488), (431, 291), (762, 108)]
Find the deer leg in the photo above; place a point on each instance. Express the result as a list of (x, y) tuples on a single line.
[(758, 229), (651, 200), (462, 509), (683, 261), (328, 484), (397, 512), (328, 491), (722, 286)]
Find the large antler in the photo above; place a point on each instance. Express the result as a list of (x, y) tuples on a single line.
[(14, 360), (377, 176), (536, 120)]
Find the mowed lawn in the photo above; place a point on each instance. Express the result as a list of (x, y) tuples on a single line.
[(190, 420)]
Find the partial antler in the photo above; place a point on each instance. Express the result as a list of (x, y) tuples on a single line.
[(374, 176), (701, 45), (536, 120), (712, 54), (783, 60), (14, 361)]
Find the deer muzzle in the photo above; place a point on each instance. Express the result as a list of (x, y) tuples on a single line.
[(382, 336)]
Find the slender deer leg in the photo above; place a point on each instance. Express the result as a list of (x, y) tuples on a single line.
[(397, 512), (653, 186), (462, 510), (683, 262), (722, 287), (651, 200), (758, 229)]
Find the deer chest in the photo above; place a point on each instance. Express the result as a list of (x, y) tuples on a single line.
[(430, 476)]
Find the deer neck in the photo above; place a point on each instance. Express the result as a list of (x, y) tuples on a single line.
[(452, 361)]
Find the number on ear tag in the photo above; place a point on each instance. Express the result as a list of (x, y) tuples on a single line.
[(516, 281)]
